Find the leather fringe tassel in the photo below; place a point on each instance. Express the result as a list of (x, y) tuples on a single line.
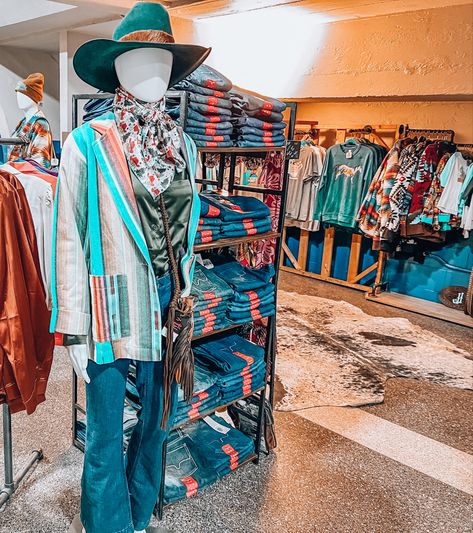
[(179, 358)]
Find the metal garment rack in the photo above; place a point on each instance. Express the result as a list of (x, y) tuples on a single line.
[(270, 341), (11, 481)]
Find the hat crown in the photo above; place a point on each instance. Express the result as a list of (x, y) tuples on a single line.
[(144, 16)]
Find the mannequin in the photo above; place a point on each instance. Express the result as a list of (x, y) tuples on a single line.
[(126, 216), (145, 74), (34, 127)]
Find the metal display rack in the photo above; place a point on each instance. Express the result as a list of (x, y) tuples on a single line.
[(270, 340), (11, 481)]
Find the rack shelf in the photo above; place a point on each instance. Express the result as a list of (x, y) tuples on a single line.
[(224, 243), (246, 151)]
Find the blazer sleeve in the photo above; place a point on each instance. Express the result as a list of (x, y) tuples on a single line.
[(70, 248)]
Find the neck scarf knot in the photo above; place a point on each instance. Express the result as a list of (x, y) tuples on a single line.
[(150, 139)]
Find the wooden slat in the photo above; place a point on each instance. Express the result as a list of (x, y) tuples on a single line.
[(380, 271), (303, 249), (365, 272), (355, 252), (422, 307), (290, 256), (319, 277), (328, 252)]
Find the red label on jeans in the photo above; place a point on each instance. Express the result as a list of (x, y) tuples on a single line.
[(193, 413), (211, 145), (191, 485), (252, 295), (213, 211), (212, 100), (203, 395), (233, 454), (245, 357), (210, 130), (212, 109), (211, 84), (267, 126), (208, 295), (215, 118), (255, 314), (248, 223), (219, 94), (265, 112), (268, 105), (267, 133)]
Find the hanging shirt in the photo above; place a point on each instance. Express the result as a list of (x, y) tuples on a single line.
[(452, 179), (39, 147), (347, 173)]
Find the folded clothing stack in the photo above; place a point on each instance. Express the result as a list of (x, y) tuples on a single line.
[(209, 107), (238, 365), (200, 453), (237, 216), (95, 107), (212, 295), (258, 120), (253, 296)]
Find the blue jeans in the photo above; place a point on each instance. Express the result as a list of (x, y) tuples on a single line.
[(119, 491)]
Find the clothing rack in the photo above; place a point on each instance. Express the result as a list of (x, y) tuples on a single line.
[(441, 135), (270, 341), (12, 481), (354, 275)]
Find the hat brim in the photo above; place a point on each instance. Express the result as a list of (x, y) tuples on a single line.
[(94, 61)]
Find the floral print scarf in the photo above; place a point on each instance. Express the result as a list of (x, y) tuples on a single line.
[(150, 139)]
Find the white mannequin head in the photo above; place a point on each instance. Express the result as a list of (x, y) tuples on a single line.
[(145, 72), (26, 104)]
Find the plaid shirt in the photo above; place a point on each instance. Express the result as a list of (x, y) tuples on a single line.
[(37, 132)]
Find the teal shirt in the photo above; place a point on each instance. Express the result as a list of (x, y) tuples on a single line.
[(344, 183)]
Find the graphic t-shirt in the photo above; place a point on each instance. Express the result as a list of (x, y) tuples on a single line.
[(346, 176)]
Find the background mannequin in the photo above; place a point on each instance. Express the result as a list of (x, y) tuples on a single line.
[(144, 73), (34, 127)]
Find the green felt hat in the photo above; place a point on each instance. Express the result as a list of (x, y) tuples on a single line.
[(146, 25)]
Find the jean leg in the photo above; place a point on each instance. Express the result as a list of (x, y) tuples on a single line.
[(105, 502), (144, 456)]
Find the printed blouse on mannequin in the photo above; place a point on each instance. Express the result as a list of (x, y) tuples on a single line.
[(127, 212), (34, 127)]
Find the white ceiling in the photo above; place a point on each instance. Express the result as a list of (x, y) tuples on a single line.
[(37, 23)]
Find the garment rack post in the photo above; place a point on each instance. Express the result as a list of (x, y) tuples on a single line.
[(11, 481)]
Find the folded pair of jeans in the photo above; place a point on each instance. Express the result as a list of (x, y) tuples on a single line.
[(208, 210), (241, 278), (210, 138), (258, 139), (245, 376), (208, 235), (211, 144), (210, 131), (217, 126), (254, 144), (208, 77), (203, 330), (246, 223), (253, 102), (253, 122), (231, 353), (259, 133), (175, 113), (207, 285), (245, 232), (204, 222), (209, 305), (188, 86), (205, 109), (203, 381), (236, 208), (242, 317), (234, 307), (210, 100), (253, 296)]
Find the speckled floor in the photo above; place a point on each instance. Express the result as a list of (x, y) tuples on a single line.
[(317, 481)]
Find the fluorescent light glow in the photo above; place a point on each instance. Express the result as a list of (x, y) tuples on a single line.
[(267, 51)]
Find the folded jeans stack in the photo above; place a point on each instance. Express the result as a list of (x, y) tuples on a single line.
[(200, 453), (209, 107), (253, 296), (258, 120), (239, 216), (237, 363), (212, 295)]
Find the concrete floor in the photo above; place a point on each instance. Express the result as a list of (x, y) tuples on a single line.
[(317, 481)]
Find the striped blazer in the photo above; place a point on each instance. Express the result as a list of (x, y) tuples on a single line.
[(103, 284)]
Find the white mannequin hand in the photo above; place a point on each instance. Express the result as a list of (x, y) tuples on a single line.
[(79, 354)]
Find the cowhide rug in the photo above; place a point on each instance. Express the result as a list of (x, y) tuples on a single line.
[(332, 353)]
